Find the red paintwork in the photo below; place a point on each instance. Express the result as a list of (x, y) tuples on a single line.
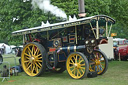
[(30, 38), (38, 40), (52, 49), (123, 50)]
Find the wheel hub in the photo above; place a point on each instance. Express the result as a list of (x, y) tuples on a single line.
[(32, 59), (77, 65), (97, 62)]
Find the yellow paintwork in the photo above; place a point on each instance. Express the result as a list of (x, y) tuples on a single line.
[(75, 66), (31, 59)]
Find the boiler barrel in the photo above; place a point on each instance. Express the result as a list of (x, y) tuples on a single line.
[(71, 48)]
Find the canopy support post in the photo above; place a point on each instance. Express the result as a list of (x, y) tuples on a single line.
[(76, 34), (106, 28), (23, 39), (97, 29), (93, 30), (109, 30)]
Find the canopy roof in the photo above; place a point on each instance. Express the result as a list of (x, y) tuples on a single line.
[(92, 19)]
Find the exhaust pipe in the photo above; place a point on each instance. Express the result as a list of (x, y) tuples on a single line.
[(81, 9)]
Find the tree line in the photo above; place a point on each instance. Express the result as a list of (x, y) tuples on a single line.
[(17, 14)]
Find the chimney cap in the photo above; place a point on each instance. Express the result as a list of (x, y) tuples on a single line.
[(82, 14)]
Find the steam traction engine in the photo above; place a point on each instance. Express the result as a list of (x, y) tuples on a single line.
[(71, 45)]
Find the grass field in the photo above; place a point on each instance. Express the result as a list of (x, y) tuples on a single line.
[(117, 74)]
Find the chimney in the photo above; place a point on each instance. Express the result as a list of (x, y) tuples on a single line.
[(81, 9)]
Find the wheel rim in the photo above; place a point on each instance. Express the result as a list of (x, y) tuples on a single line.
[(76, 66), (32, 60), (99, 62)]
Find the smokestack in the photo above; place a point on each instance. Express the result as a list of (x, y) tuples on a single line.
[(81, 8)]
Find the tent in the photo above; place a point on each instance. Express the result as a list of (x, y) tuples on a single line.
[(12, 46), (13, 49), (5, 47)]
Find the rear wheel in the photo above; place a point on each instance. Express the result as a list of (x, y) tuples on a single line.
[(99, 62), (33, 59), (77, 65)]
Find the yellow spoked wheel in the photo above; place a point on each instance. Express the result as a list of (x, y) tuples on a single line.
[(77, 65), (99, 63), (32, 59)]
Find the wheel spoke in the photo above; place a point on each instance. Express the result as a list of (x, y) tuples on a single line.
[(33, 68), (81, 61), (93, 66), (29, 51), (39, 60), (26, 54), (26, 61), (82, 67), (36, 51), (32, 50), (36, 68), (38, 55), (82, 71), (37, 65), (101, 67), (97, 68), (79, 72), (73, 70), (26, 57), (29, 66), (76, 59), (71, 66), (72, 61), (82, 64), (29, 54)]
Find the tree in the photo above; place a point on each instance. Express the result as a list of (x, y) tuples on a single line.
[(16, 14)]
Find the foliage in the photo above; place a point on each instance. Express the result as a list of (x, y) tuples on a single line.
[(117, 74), (16, 14)]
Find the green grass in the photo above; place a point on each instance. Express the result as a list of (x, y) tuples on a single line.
[(117, 74), (12, 58)]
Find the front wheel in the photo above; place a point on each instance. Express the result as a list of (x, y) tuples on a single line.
[(77, 65), (99, 62)]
